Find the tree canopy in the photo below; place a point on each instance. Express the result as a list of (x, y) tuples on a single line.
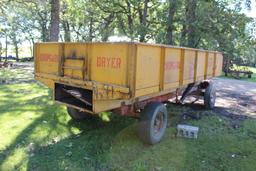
[(214, 25)]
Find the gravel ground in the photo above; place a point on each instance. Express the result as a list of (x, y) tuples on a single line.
[(236, 96)]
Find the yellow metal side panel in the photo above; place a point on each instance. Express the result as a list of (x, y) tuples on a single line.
[(210, 65), (189, 66), (219, 63), (172, 68), (48, 82), (201, 58), (109, 63), (73, 74), (74, 63), (147, 70), (47, 58), (146, 91), (75, 50), (74, 68), (105, 105)]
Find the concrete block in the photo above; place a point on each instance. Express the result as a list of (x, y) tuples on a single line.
[(187, 131)]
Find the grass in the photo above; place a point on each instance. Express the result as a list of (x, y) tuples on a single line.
[(37, 134)]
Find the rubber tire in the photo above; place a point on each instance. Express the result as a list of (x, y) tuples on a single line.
[(209, 97), (77, 115), (146, 122)]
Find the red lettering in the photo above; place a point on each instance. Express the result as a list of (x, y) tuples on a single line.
[(172, 65), (109, 62), (103, 61), (48, 58), (113, 63), (118, 62), (98, 62)]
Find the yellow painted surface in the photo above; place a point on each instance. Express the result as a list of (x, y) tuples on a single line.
[(75, 50), (74, 68), (201, 58), (48, 82), (147, 69), (171, 68), (48, 58), (109, 63), (123, 71), (219, 63), (189, 66), (210, 65), (105, 105)]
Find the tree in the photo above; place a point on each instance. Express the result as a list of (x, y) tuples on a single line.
[(55, 20), (1, 51), (170, 21), (66, 22), (212, 25), (143, 14)]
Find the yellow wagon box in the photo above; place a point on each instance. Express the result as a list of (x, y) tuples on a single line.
[(127, 78)]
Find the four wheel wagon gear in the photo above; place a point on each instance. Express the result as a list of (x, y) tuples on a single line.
[(130, 79)]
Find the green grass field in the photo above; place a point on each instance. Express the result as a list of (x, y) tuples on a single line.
[(37, 134)]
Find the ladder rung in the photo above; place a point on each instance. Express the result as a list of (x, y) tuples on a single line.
[(77, 58), (73, 68)]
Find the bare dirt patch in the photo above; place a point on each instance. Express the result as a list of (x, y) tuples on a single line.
[(19, 72), (236, 101), (236, 97)]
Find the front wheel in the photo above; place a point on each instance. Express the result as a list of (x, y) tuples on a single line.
[(210, 96), (77, 115), (152, 123)]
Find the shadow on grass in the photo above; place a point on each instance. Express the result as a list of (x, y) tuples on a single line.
[(87, 150), (91, 146)]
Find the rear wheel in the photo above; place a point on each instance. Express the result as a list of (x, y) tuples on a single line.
[(153, 122), (209, 96), (77, 115)]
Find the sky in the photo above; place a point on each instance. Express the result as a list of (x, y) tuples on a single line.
[(252, 12)]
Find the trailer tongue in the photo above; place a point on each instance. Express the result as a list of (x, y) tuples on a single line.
[(132, 79)]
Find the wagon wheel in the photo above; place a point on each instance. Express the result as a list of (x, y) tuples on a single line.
[(209, 96), (153, 122), (77, 115)]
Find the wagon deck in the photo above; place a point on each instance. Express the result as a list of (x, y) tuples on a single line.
[(125, 77), (120, 73)]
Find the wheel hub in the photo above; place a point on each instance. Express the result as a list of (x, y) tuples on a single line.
[(158, 122)]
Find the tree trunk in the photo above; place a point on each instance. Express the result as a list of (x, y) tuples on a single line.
[(16, 51), (144, 21), (44, 34), (171, 12), (43, 26), (55, 20), (65, 23), (66, 28), (130, 21), (106, 30), (32, 41), (191, 20), (1, 49), (6, 48), (183, 38), (91, 29)]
